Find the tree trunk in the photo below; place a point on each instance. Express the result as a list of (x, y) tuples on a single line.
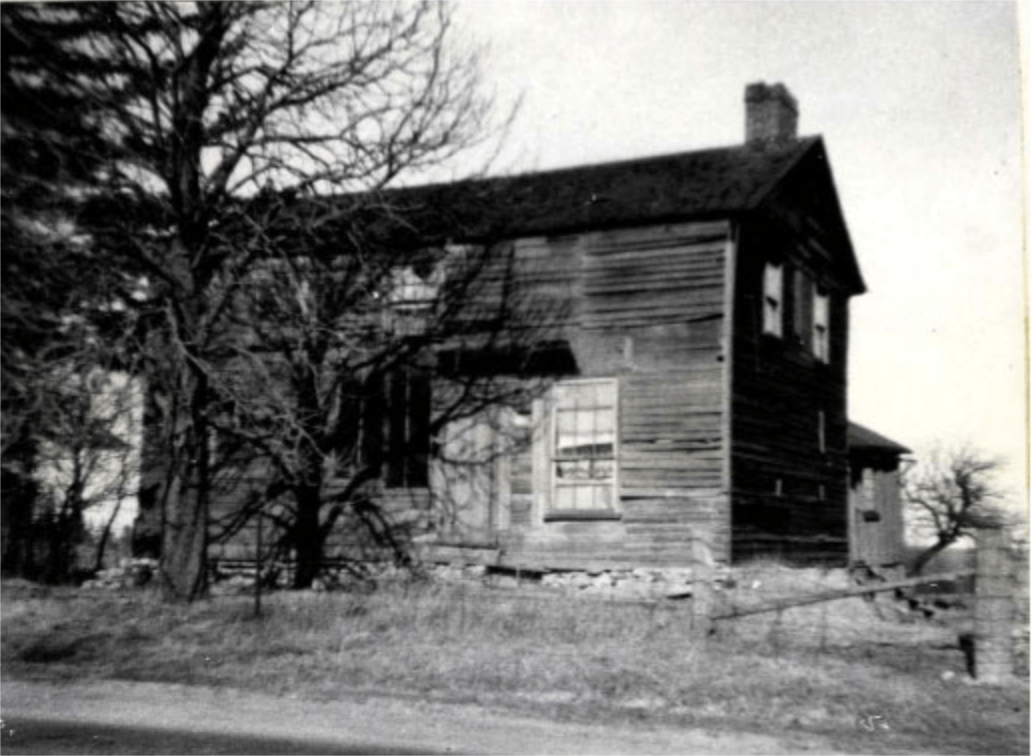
[(105, 536), (184, 539), (17, 506), (308, 540), (927, 555), (184, 542)]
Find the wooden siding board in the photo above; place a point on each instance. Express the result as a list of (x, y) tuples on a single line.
[(650, 312), (778, 388)]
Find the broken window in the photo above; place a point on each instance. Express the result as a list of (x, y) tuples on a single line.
[(584, 448), (773, 277)]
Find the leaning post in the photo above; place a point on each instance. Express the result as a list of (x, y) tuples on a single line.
[(994, 607)]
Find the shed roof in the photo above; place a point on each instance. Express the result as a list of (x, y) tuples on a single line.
[(859, 437)]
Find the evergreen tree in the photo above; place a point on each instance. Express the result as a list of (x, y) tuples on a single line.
[(183, 112)]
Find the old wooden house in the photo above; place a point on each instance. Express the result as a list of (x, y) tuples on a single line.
[(700, 406)]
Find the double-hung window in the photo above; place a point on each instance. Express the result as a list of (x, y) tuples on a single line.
[(584, 445)]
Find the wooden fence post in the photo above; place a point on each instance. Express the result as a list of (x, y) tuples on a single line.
[(702, 586), (994, 608)]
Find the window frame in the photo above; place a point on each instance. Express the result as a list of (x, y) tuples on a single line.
[(820, 339), (803, 289), (773, 301), (613, 512), (391, 425)]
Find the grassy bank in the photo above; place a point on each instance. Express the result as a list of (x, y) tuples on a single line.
[(566, 658)]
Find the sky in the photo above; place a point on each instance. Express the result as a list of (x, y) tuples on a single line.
[(919, 104)]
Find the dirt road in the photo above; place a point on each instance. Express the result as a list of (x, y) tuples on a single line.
[(125, 717)]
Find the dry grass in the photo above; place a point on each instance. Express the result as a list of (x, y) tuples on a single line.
[(568, 658)]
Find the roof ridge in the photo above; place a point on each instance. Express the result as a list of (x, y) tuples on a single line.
[(802, 144)]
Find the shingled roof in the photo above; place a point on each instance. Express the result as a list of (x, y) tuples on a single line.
[(685, 185), (858, 437)]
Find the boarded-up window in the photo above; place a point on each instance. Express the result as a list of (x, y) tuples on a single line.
[(584, 448), (396, 428), (773, 298), (821, 346)]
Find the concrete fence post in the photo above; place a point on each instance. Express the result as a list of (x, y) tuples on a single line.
[(994, 607)]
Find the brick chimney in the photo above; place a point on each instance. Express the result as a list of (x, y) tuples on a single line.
[(771, 113)]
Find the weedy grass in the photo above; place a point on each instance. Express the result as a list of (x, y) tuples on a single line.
[(826, 669)]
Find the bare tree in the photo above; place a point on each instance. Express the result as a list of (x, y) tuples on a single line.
[(952, 496), (88, 464), (343, 368), (202, 105)]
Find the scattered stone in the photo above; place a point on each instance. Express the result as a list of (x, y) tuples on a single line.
[(130, 573)]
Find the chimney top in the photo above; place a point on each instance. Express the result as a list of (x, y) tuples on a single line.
[(771, 113)]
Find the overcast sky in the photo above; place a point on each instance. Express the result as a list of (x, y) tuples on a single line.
[(919, 106)]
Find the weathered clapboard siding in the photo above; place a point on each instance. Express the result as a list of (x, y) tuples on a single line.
[(876, 519), (788, 475), (648, 310)]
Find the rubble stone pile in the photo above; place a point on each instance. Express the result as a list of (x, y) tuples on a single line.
[(616, 583), (130, 573)]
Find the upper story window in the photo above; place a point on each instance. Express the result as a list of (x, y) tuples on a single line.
[(415, 288), (810, 318), (802, 310), (584, 449), (821, 345), (773, 298)]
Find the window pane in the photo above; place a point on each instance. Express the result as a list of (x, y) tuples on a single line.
[(605, 394), (578, 395), (584, 497), (602, 469), (566, 440), (772, 298), (820, 309), (772, 282), (578, 470), (605, 431), (584, 470), (585, 427), (820, 343), (564, 497)]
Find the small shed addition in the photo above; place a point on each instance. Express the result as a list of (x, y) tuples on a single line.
[(876, 535)]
